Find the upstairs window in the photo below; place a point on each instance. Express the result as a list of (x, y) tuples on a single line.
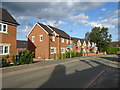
[(41, 38), (3, 28), (53, 38), (62, 40), (33, 38)]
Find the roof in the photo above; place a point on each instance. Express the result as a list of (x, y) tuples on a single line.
[(76, 40), (46, 28), (61, 33), (6, 17), (22, 44), (49, 29)]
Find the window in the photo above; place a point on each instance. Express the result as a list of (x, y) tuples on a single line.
[(53, 38), (3, 28), (62, 40), (53, 50), (41, 37), (67, 41), (70, 41), (33, 38), (4, 50), (62, 50), (0, 27)]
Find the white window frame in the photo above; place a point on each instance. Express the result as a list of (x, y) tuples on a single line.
[(53, 38), (32, 38), (63, 50), (67, 41), (62, 40), (40, 38), (54, 50), (3, 49), (2, 28)]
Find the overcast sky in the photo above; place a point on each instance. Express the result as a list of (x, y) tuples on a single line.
[(80, 17)]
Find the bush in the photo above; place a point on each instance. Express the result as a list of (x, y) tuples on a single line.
[(78, 54), (64, 55), (26, 57), (14, 60), (5, 63), (55, 56), (112, 50)]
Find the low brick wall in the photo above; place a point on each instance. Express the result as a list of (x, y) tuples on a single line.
[(90, 54), (38, 59)]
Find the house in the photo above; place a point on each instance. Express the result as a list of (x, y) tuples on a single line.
[(115, 43), (8, 27), (21, 46), (81, 44), (46, 41)]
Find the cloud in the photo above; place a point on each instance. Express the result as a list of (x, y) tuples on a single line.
[(103, 9), (48, 10), (79, 19), (54, 23)]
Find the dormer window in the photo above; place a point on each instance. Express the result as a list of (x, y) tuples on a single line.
[(3, 28), (53, 38), (62, 40), (84, 44)]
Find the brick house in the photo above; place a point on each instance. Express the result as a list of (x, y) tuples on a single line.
[(83, 44), (46, 40), (8, 26), (115, 44), (21, 46)]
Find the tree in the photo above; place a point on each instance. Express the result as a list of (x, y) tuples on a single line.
[(100, 37)]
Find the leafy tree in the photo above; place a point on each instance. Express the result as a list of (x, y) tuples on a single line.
[(100, 36)]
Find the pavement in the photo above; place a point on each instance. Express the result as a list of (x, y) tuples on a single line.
[(80, 72)]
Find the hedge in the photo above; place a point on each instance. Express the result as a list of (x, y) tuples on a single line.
[(112, 50)]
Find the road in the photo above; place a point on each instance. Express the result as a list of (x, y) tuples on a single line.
[(80, 72)]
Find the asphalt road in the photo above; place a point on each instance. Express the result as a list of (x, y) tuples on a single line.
[(83, 72)]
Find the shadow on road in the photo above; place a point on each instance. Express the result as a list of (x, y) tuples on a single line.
[(117, 59), (78, 79)]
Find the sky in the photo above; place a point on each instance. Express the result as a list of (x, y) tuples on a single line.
[(75, 18)]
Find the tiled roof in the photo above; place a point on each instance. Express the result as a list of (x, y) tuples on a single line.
[(46, 28), (22, 44), (6, 17), (61, 33)]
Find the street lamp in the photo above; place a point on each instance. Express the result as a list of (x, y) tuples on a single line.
[(70, 43)]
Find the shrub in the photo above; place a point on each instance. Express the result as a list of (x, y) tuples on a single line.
[(5, 63), (79, 54), (55, 56), (14, 60), (112, 50), (60, 56), (26, 57), (64, 55), (68, 54)]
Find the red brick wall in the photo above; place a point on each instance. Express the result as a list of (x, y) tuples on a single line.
[(10, 38)]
